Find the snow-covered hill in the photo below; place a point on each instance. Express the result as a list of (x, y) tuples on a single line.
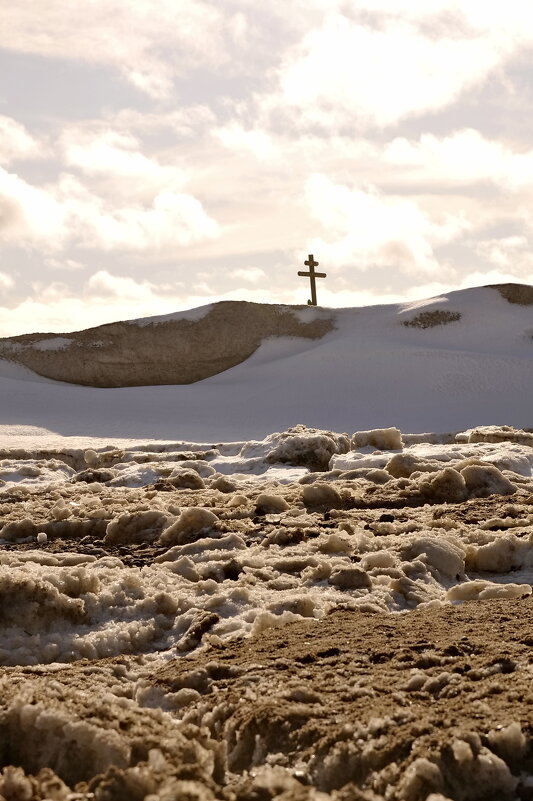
[(448, 363), (303, 615)]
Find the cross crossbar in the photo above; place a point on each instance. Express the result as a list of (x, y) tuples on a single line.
[(311, 263)]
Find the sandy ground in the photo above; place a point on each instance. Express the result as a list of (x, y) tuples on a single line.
[(431, 703)]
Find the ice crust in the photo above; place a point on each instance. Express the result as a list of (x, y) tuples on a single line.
[(255, 552), (120, 558)]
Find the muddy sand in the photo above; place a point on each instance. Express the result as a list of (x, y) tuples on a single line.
[(325, 635)]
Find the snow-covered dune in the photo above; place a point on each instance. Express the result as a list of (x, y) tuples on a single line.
[(448, 363)]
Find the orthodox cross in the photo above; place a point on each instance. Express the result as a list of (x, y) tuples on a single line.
[(311, 263)]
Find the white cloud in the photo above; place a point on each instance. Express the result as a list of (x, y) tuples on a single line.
[(463, 157), (30, 215), (172, 220), (112, 161), (70, 213), (15, 142), (105, 285), (67, 264), (150, 43), (513, 15), (249, 274), (255, 141), (185, 121), (6, 281), (346, 72), (364, 228), (510, 255)]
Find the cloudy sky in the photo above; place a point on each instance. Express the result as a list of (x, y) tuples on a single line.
[(159, 154)]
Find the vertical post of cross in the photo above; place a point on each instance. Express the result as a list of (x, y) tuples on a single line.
[(311, 263)]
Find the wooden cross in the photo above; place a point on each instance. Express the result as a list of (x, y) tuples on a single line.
[(311, 263)]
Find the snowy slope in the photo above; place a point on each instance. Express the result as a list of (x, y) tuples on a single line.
[(370, 371)]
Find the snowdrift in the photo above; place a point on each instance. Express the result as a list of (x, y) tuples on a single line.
[(445, 364)]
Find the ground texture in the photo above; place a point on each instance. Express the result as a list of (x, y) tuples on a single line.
[(429, 703)]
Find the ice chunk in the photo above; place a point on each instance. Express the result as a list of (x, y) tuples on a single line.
[(486, 480), (18, 530), (445, 556), (136, 527), (481, 590), (509, 743), (378, 559), (186, 479), (91, 457), (402, 465), (223, 484), (505, 553), (308, 447), (322, 495), (383, 439), (350, 578), (268, 503), (499, 434), (445, 486), (190, 525)]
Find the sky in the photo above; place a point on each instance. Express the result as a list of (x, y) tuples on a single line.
[(159, 155)]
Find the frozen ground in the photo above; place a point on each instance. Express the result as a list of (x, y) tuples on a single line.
[(308, 616), (195, 607)]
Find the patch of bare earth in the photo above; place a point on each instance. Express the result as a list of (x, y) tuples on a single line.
[(180, 351), (431, 319), (521, 294), (364, 706)]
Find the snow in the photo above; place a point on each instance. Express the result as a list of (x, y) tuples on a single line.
[(78, 605), (370, 372), (53, 343), (189, 314)]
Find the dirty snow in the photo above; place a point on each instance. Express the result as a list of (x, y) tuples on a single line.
[(237, 530)]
